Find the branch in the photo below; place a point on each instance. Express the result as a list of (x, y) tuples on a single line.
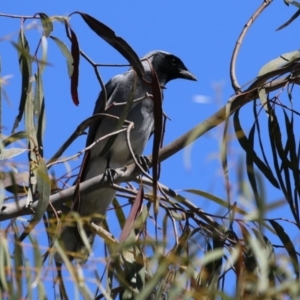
[(125, 174), (234, 82), (12, 210), (19, 16)]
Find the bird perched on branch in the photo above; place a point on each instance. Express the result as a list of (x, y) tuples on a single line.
[(120, 89)]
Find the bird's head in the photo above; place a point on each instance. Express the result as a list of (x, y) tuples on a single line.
[(167, 66)]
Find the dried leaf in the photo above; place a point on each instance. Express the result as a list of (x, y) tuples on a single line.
[(75, 51), (134, 212)]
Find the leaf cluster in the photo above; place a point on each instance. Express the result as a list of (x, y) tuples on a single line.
[(168, 247)]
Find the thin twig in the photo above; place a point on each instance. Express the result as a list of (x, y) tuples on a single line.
[(98, 77), (18, 16), (112, 65), (132, 153), (11, 210), (136, 161), (86, 149), (134, 101), (238, 44), (78, 131)]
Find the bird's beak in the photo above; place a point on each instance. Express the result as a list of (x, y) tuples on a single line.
[(185, 74)]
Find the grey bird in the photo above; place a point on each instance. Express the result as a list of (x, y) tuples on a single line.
[(167, 67)]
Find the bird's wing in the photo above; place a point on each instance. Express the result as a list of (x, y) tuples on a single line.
[(110, 87)]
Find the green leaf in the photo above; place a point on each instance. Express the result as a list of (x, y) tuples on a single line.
[(43, 186), (212, 256), (28, 277), (75, 273), (66, 53), (119, 212), (295, 3), (11, 152), (25, 68), (18, 263), (263, 99), (5, 262), (46, 23), (39, 110), (1, 91), (280, 61), (224, 149), (44, 190), (246, 145), (14, 137), (44, 45), (34, 156), (214, 199)]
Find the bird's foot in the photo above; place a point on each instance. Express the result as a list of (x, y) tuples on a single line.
[(109, 174), (144, 162)]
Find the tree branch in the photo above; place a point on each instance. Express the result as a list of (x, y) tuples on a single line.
[(125, 174), (238, 44)]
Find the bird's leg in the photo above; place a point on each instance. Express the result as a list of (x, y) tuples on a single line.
[(108, 173), (144, 162)]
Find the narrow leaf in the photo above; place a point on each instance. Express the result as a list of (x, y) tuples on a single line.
[(12, 178), (214, 199), (1, 91), (44, 44), (293, 18), (11, 152), (118, 43), (158, 129), (279, 62), (66, 53), (244, 142), (46, 23), (39, 110), (25, 67), (75, 51), (135, 211), (288, 244), (14, 137), (44, 190), (119, 212)]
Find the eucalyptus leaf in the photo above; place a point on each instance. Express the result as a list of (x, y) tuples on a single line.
[(11, 152)]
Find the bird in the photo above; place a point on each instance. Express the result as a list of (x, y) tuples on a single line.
[(119, 89)]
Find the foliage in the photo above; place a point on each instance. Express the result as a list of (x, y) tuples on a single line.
[(206, 252)]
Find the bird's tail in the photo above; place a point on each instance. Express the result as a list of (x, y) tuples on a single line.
[(73, 245), (94, 205)]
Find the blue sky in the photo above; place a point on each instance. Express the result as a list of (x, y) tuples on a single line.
[(201, 33)]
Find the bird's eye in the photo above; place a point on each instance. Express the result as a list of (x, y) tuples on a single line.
[(173, 61)]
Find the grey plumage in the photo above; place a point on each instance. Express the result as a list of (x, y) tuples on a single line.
[(119, 89)]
